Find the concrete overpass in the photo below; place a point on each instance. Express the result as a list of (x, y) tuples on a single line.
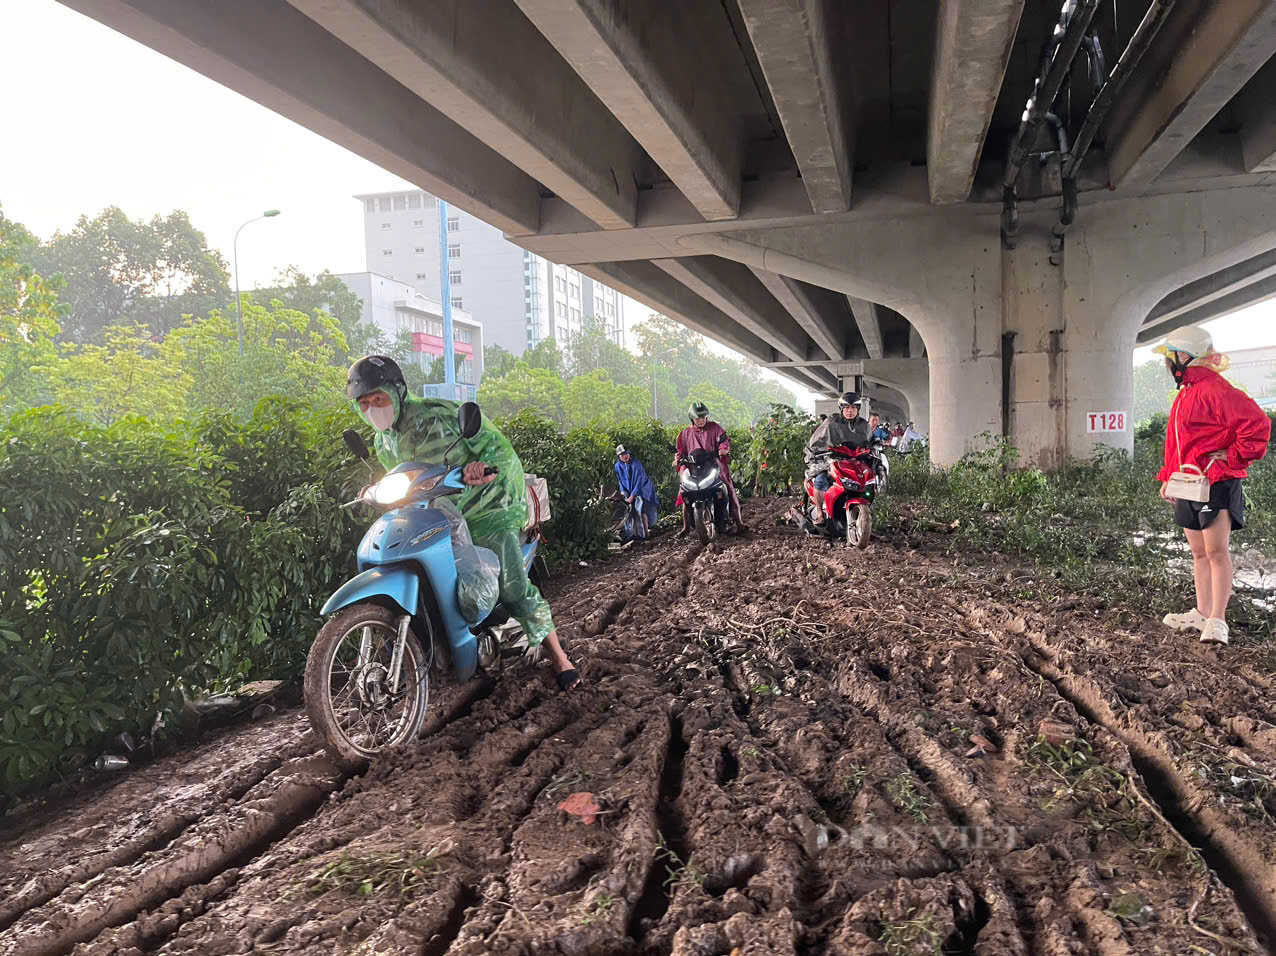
[(1004, 194)]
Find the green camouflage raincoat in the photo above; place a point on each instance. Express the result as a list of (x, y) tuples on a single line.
[(496, 512)]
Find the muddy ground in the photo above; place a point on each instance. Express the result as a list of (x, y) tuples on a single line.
[(790, 748)]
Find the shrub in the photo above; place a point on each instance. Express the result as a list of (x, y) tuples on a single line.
[(136, 554)]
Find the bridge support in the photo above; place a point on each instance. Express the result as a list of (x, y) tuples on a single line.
[(1015, 345)]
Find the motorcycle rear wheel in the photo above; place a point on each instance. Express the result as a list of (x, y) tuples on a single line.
[(352, 727), (859, 526)]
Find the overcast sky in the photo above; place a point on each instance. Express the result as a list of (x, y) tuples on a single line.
[(134, 129)]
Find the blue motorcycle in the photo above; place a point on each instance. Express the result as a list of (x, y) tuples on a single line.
[(367, 674)]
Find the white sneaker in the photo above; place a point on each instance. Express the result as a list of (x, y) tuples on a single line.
[(1214, 632), (1191, 620)]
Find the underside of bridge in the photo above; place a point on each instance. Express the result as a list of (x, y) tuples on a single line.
[(980, 204)]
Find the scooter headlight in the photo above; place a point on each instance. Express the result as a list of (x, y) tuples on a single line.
[(392, 488), (708, 479), (850, 484)]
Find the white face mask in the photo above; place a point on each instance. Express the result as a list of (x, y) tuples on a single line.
[(381, 417)]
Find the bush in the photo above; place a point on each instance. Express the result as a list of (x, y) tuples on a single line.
[(135, 554)]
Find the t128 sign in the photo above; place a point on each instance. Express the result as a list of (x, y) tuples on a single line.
[(1105, 422)]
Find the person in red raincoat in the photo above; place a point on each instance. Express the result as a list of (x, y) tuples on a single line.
[(1217, 428), (704, 434)]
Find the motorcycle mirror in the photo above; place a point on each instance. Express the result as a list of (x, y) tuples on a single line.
[(358, 447), (470, 419)]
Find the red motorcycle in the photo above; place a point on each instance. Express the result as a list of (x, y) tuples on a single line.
[(848, 503)]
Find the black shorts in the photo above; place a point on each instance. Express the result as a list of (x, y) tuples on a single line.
[(1224, 496)]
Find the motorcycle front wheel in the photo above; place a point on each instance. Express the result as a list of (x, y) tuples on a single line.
[(347, 698), (859, 526), (705, 528)]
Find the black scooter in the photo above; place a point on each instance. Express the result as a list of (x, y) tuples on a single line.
[(704, 494)]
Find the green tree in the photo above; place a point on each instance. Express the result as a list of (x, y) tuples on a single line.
[(286, 352), (325, 292), (594, 399), (546, 355), (523, 388), (593, 350), (497, 361), (130, 375), (151, 272), (723, 408), (29, 317), (1153, 391)]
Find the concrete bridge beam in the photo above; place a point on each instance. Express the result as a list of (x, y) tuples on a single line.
[(801, 46), (484, 64), (652, 66)]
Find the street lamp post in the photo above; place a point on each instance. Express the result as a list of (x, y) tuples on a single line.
[(239, 305), (655, 408)]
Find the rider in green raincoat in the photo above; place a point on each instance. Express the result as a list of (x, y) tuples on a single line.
[(409, 428)]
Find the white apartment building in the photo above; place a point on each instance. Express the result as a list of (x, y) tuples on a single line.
[(518, 297), (397, 306)]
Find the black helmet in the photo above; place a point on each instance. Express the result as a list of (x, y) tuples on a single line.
[(372, 372), (698, 410), (848, 398)]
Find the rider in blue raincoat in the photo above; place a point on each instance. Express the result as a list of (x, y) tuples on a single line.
[(638, 488)]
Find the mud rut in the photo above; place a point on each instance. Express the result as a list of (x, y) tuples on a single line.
[(783, 758)]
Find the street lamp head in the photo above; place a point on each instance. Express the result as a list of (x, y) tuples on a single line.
[(270, 212)]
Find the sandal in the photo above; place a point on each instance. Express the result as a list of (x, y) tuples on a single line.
[(568, 679)]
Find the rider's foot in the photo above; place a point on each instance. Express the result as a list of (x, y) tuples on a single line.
[(683, 533)]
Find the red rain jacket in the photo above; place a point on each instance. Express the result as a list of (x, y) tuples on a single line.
[(1210, 414), (691, 439)]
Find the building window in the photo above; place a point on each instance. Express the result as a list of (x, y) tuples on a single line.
[(456, 304), (454, 278), (385, 225), (387, 252), (560, 284), (383, 204), (414, 202), (400, 202), (560, 309), (575, 291), (454, 252), (420, 275), (419, 250), (370, 205), (453, 223), (418, 223), (575, 315), (463, 335)]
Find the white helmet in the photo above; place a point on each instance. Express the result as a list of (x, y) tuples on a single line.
[(1191, 339)]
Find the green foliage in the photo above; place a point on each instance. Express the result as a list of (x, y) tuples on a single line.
[(153, 273), (497, 361), (285, 352), (130, 375), (29, 318), (1153, 391), (295, 290), (775, 458), (576, 465), (135, 554)]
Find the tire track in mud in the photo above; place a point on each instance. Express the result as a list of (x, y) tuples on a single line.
[(780, 757), (147, 827), (1240, 865)]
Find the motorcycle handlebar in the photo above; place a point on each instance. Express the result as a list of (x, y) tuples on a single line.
[(491, 470)]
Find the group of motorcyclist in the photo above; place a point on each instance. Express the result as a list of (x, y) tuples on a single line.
[(410, 428)]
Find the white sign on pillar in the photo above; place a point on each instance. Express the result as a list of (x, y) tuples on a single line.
[(1105, 422)]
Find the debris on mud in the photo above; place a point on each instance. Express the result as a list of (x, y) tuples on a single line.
[(782, 748)]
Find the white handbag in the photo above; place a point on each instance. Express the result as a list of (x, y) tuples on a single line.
[(1188, 486), (1183, 484)]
